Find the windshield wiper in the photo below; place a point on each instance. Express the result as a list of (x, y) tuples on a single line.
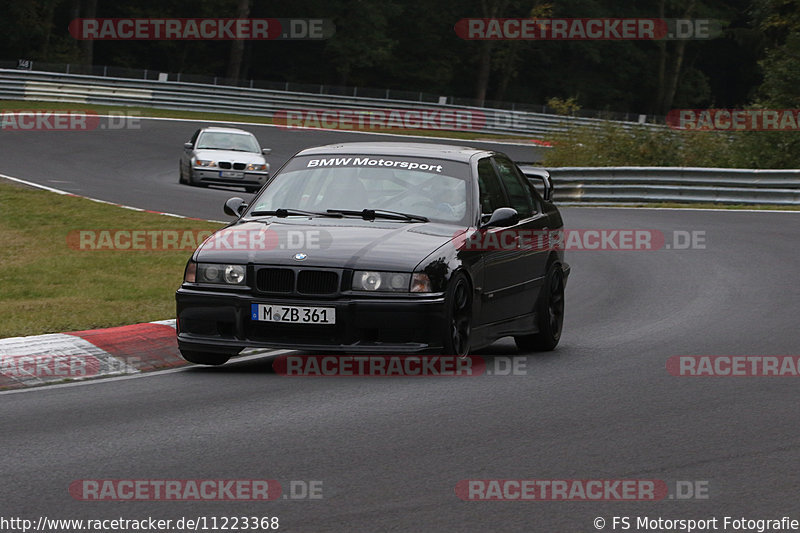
[(372, 214), (283, 213)]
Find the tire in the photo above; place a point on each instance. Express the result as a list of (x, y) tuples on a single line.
[(458, 316), (181, 178), (549, 315), (205, 358)]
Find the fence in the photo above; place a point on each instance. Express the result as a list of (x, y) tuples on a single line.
[(572, 184), (621, 185), (101, 90)]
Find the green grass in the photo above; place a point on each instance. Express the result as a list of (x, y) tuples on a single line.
[(48, 286), (11, 105)]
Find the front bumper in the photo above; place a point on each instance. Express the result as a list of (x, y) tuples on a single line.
[(212, 321), (213, 177)]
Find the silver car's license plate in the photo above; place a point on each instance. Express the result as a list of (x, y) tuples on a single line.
[(230, 174), (293, 314)]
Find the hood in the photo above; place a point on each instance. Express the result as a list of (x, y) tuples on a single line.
[(339, 243), (230, 155)]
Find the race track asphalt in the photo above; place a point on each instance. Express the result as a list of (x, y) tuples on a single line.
[(390, 451)]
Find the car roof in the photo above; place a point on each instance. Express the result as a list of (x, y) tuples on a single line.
[(219, 129), (409, 149)]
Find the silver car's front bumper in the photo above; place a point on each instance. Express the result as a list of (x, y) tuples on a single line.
[(202, 175)]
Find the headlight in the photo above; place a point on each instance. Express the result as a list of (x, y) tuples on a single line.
[(254, 166), (204, 163), (214, 273), (366, 280)]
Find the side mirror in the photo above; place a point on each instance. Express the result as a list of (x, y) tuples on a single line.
[(266, 151), (188, 145), (234, 206), (502, 217)]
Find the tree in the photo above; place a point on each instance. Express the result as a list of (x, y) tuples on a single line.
[(237, 46), (361, 39)]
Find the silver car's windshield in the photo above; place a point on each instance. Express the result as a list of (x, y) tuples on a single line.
[(213, 140), (435, 189)]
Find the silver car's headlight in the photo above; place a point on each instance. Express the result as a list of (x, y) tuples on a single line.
[(257, 166), (215, 273), (368, 280), (204, 163)]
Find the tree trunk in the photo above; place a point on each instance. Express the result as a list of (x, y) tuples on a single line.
[(484, 66), (87, 46), (672, 87), (658, 104), (485, 58), (237, 46), (668, 86), (50, 7)]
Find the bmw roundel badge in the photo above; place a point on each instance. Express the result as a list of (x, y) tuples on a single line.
[(300, 256)]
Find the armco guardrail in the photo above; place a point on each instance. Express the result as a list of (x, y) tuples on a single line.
[(572, 184), (100, 90), (621, 185)]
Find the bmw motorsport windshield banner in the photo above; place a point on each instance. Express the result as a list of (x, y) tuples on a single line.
[(429, 165)]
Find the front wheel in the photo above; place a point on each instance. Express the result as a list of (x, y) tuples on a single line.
[(549, 314), (458, 316), (205, 358)]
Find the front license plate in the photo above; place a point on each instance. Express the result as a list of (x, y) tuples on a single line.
[(293, 314), (230, 174)]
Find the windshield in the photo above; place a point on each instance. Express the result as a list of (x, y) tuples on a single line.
[(432, 188), (213, 140)]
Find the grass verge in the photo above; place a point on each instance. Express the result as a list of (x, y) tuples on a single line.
[(48, 286)]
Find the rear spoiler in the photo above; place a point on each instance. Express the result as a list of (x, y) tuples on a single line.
[(540, 178)]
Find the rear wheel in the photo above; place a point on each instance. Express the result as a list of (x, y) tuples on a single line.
[(205, 358), (549, 314), (458, 317)]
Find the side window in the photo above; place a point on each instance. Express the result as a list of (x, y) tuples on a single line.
[(518, 191), (491, 193)]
